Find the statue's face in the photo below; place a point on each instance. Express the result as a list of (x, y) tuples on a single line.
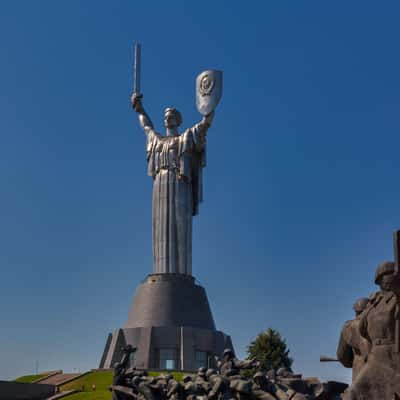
[(228, 356), (170, 120), (390, 283)]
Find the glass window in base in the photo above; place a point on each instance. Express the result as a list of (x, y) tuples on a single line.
[(168, 359), (201, 359), (132, 358)]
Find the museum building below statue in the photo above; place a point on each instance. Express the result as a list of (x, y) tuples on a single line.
[(170, 325)]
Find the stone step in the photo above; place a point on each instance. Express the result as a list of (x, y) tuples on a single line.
[(62, 394), (59, 379)]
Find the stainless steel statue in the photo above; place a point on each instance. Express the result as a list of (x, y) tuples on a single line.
[(175, 163)]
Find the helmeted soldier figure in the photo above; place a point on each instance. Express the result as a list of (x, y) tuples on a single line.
[(174, 389), (118, 377), (122, 366), (261, 388), (201, 380), (191, 389), (201, 374), (283, 372), (271, 375), (353, 349), (231, 366), (379, 379), (154, 388), (218, 385), (122, 380), (291, 386), (160, 385)]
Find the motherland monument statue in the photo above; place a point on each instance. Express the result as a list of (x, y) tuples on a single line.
[(175, 163)]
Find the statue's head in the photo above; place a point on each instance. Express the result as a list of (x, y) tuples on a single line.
[(168, 377), (259, 378), (172, 118), (227, 354), (360, 304), (136, 380), (210, 372), (282, 372), (385, 277)]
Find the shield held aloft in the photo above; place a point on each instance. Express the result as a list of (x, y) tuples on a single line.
[(208, 91)]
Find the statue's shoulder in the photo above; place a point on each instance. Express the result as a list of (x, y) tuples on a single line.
[(154, 134)]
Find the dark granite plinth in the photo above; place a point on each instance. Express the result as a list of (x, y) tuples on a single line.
[(170, 300), (170, 312)]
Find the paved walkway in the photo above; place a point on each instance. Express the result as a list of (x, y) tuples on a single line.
[(59, 379), (62, 394)]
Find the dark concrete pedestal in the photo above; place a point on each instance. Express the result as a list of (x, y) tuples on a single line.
[(170, 317)]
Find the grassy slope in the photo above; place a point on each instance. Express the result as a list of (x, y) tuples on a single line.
[(102, 380), (177, 375), (30, 378)]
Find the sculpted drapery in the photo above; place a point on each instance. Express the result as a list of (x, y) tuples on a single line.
[(175, 163)]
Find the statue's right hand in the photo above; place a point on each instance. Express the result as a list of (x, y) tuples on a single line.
[(136, 101)]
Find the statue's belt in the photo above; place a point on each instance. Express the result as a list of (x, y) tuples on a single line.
[(164, 170), (383, 342)]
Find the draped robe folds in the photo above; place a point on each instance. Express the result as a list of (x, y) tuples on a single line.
[(175, 163)]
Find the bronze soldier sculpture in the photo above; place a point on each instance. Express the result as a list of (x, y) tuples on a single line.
[(353, 348), (229, 384), (379, 378)]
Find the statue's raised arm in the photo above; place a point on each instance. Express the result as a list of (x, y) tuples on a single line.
[(206, 121), (144, 119), (199, 131)]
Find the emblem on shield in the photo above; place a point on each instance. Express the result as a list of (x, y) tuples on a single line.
[(208, 91)]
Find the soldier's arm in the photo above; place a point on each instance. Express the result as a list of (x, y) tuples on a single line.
[(125, 359), (216, 387), (173, 388), (218, 362), (344, 352), (244, 364)]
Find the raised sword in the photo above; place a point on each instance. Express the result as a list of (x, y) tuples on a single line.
[(136, 68)]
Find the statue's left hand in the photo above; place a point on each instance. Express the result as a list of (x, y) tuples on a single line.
[(208, 118)]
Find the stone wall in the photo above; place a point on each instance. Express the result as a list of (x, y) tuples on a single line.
[(25, 391)]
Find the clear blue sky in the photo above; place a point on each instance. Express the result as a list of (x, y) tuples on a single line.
[(301, 188)]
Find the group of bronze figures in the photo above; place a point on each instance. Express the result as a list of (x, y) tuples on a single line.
[(223, 383), (370, 343)]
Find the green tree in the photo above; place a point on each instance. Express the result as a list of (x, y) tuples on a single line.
[(270, 349)]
